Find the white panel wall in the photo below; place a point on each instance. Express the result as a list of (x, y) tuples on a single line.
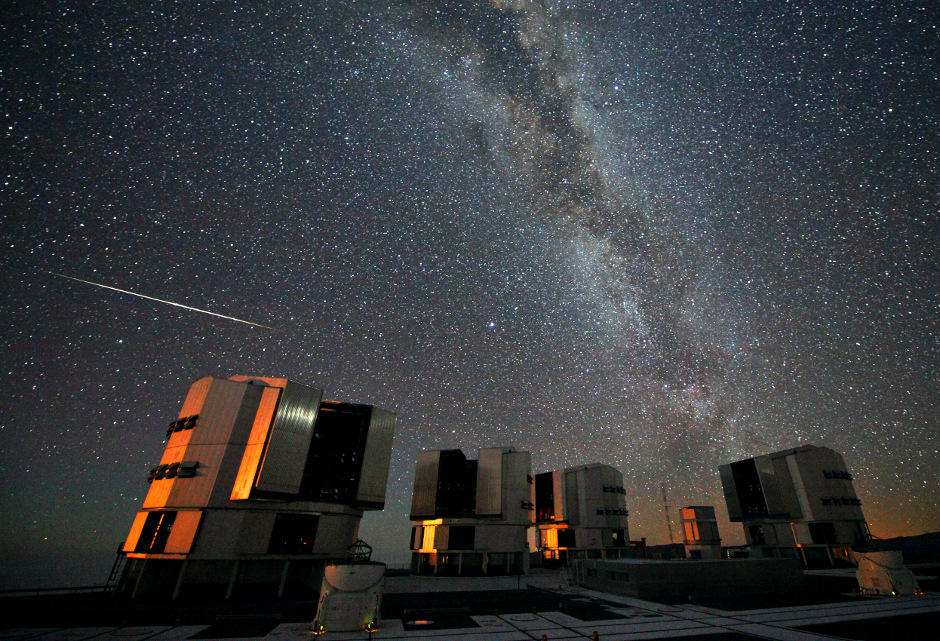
[(490, 489), (516, 471)]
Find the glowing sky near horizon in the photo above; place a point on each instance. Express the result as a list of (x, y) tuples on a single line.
[(658, 235)]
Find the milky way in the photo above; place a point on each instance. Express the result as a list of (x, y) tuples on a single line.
[(538, 120), (661, 236)]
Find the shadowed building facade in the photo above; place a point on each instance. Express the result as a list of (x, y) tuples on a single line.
[(261, 483), (797, 502), (470, 517)]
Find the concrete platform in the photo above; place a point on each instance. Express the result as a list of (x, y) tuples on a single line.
[(613, 618)]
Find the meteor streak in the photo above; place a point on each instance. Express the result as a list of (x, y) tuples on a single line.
[(159, 300)]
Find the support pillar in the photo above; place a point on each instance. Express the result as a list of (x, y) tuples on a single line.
[(179, 581), (140, 577), (284, 573), (233, 577)]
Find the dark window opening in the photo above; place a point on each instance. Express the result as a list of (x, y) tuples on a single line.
[(156, 531), (334, 463), (186, 423), (293, 534), (566, 538), (757, 534), (456, 485), (747, 484), (461, 537), (823, 533), (544, 497), (620, 541)]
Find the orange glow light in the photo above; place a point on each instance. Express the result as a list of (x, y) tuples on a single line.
[(248, 469), (427, 541)]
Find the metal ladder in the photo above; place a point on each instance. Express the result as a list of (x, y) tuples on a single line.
[(118, 565)]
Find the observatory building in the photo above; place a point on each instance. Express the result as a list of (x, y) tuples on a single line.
[(797, 502), (581, 513), (470, 517), (700, 531), (261, 482)]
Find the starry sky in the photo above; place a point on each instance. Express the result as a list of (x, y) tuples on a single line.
[(659, 235)]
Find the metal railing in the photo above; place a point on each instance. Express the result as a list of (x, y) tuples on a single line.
[(78, 589)]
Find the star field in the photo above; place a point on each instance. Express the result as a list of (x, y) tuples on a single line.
[(657, 235)]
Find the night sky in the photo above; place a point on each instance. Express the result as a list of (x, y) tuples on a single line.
[(659, 235)]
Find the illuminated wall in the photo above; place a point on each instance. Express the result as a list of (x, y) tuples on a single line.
[(470, 516), (260, 481)]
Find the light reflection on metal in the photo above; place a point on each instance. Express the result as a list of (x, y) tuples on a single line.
[(551, 538), (264, 418), (429, 530), (282, 465)]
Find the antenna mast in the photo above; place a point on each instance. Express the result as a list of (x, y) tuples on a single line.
[(666, 508)]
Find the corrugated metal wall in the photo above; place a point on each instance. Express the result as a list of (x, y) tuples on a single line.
[(424, 496), (289, 442), (375, 460)]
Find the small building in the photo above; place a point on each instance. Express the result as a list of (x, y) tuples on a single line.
[(700, 529), (261, 483), (581, 512), (470, 516), (797, 502), (688, 579)]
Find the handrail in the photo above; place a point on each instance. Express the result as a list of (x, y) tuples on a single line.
[(65, 590)]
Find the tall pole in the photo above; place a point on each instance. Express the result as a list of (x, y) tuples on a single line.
[(666, 508)]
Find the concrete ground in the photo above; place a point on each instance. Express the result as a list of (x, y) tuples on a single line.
[(451, 609)]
